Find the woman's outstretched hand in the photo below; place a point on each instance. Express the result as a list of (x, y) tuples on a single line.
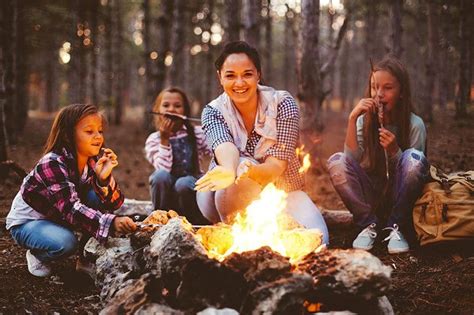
[(216, 179), (388, 141), (103, 167)]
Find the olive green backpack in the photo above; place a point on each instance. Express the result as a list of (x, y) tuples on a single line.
[(445, 210)]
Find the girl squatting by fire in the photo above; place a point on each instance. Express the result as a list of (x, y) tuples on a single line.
[(383, 168), (71, 187)]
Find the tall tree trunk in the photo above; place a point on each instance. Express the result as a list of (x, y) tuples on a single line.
[(178, 44), (50, 73), (165, 25), (75, 91), (310, 87), (95, 5), (371, 17), (288, 44), (9, 40), (109, 69), (344, 73), (210, 72), (443, 75), (21, 76), (5, 27), (463, 98), (330, 14), (149, 77), (252, 16), (268, 49), (232, 20), (396, 7), (118, 63), (431, 61)]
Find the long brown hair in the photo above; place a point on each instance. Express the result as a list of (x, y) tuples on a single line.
[(374, 159), (62, 132), (187, 123)]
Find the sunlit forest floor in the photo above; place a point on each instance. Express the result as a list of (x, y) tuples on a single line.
[(433, 280)]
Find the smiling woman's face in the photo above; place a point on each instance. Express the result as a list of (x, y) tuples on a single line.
[(239, 78)]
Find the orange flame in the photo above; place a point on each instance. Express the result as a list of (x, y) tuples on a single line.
[(264, 223), (306, 159)]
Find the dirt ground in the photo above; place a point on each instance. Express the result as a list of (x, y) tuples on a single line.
[(425, 281)]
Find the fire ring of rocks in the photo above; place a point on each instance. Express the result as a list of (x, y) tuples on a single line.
[(167, 269)]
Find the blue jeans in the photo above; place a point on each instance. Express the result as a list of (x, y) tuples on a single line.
[(50, 241), (362, 194), (223, 205), (170, 192)]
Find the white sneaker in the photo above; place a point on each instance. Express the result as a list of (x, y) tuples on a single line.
[(365, 240), (396, 242), (36, 267)]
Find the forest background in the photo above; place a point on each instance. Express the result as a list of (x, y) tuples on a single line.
[(119, 54)]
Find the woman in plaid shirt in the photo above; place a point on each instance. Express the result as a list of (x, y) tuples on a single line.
[(70, 187), (253, 131)]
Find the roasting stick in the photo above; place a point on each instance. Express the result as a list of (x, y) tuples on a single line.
[(174, 115), (141, 225), (381, 109), (380, 115)]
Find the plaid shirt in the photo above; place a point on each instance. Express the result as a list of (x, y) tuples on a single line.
[(217, 132), (53, 188)]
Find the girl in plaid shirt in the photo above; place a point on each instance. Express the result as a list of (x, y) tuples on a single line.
[(175, 150), (253, 131), (71, 187)]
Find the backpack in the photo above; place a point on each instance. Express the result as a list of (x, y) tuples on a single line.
[(445, 210)]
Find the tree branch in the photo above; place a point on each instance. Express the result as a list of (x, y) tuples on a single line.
[(332, 58)]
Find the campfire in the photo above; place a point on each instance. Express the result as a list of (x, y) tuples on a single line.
[(264, 262), (263, 223)]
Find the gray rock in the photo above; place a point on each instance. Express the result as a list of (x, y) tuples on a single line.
[(215, 311), (170, 249), (283, 296)]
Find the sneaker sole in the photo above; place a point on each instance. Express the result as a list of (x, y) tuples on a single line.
[(398, 251), (363, 248)]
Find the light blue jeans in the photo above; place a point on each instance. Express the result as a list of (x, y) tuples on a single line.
[(168, 192), (361, 193), (223, 205), (50, 241)]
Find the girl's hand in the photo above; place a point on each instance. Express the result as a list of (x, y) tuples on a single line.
[(165, 128), (216, 179), (103, 167), (365, 105), (123, 225), (388, 141), (168, 126)]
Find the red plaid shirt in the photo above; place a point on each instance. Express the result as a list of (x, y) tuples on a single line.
[(54, 189)]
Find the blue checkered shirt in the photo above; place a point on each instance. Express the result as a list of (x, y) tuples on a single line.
[(217, 132)]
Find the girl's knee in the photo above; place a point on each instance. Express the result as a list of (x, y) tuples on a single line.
[(160, 177), (184, 185), (206, 204), (337, 168), (413, 161), (63, 245)]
